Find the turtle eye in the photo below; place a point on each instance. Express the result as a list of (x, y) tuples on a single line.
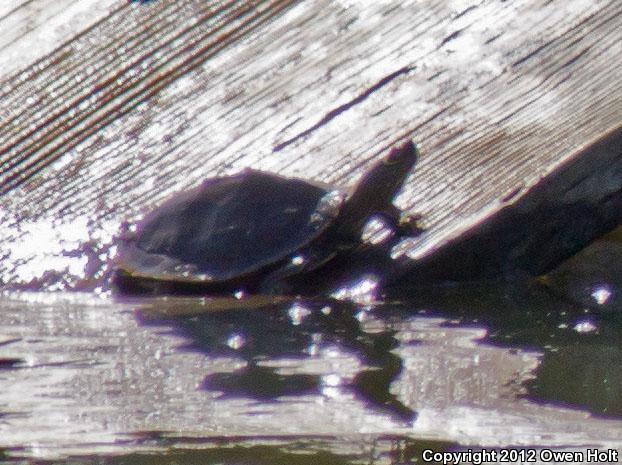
[(392, 158)]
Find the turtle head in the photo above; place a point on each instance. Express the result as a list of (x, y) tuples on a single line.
[(374, 192), (384, 179), (394, 167), (404, 156)]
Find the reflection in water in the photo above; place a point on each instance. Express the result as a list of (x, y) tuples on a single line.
[(592, 278), (93, 376), (362, 290), (291, 334), (261, 383), (581, 361)]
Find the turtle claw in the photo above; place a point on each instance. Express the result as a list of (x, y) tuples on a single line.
[(410, 225)]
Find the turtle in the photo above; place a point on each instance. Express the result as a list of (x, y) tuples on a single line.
[(254, 230)]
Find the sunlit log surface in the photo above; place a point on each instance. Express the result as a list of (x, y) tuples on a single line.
[(108, 107)]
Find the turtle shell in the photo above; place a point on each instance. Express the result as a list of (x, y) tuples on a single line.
[(228, 228)]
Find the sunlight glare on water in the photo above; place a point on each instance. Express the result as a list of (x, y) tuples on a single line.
[(363, 290), (297, 313), (236, 341), (585, 326), (601, 293), (331, 385)]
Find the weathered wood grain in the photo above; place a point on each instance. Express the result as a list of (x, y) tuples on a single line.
[(154, 97), (535, 232), (32, 29)]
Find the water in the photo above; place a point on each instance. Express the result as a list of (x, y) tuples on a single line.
[(85, 379)]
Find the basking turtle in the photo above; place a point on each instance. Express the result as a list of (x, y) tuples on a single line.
[(254, 230)]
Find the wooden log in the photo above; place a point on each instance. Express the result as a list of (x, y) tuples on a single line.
[(536, 231), (151, 98)]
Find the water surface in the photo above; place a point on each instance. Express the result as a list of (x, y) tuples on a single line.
[(284, 380)]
